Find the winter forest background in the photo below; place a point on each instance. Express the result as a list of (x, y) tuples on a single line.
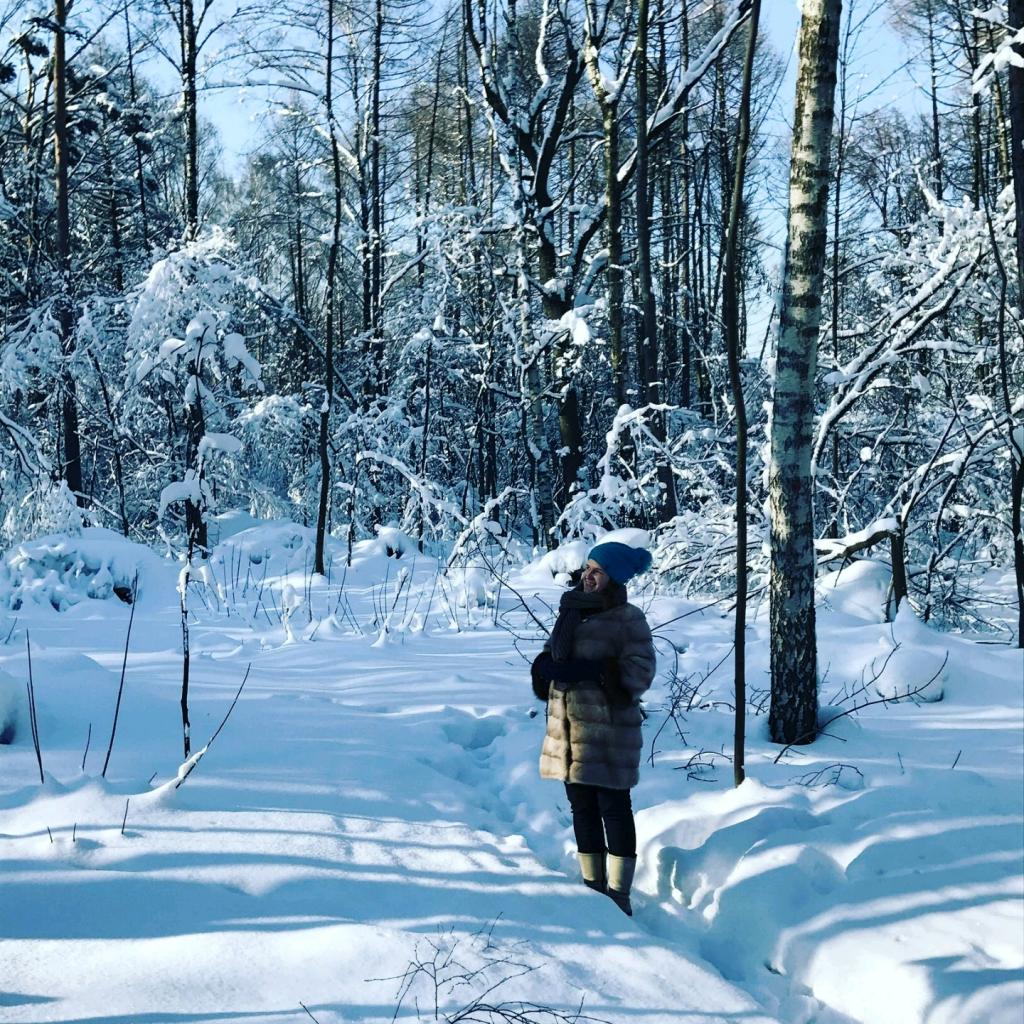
[(310, 405), (449, 283)]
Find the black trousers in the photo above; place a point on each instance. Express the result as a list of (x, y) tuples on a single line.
[(602, 819)]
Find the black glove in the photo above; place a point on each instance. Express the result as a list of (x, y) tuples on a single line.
[(541, 685), (611, 682), (575, 670)]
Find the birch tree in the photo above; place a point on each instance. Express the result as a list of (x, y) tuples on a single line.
[(790, 487)]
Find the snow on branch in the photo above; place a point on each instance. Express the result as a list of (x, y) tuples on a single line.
[(831, 549), (698, 68), (424, 489)]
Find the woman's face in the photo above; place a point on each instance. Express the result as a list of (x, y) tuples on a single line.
[(595, 579)]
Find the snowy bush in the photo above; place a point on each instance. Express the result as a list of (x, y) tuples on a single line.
[(62, 570)]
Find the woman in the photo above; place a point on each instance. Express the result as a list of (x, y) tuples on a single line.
[(597, 662)]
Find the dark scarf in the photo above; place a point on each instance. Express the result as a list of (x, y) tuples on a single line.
[(574, 607)]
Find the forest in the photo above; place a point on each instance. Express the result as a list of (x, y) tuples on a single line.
[(337, 336), (500, 269)]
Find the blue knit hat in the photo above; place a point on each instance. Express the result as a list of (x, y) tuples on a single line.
[(620, 561)]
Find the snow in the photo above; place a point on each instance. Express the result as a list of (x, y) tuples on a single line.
[(189, 489), (912, 663), (219, 442), (61, 570), (373, 801)]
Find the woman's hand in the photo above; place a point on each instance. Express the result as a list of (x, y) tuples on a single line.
[(575, 670)]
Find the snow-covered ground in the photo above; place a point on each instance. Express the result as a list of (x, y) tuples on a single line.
[(372, 804)]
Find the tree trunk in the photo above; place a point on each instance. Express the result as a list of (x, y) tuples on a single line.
[(377, 203), (644, 211), (191, 118), (897, 552), (64, 304), (133, 96), (613, 200), (323, 439), (685, 245), (790, 487), (1016, 17), (731, 318)]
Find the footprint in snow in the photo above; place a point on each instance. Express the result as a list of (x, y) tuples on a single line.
[(473, 734)]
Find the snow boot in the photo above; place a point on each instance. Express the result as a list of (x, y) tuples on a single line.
[(592, 869), (620, 881)]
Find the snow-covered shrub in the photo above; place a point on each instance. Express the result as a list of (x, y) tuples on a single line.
[(62, 570), (278, 436), (186, 357)]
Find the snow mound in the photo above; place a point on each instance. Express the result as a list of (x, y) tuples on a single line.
[(393, 542), (473, 587), (281, 541), (64, 569), (911, 663), (859, 590), (564, 559)]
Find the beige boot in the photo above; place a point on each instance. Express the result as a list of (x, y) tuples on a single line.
[(592, 869), (620, 881)]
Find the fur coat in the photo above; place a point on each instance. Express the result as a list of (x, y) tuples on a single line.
[(589, 740)]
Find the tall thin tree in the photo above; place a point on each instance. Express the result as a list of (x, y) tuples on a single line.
[(323, 441), (794, 661), (731, 317), (65, 309), (1016, 18)]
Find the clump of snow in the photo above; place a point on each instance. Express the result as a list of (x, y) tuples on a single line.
[(61, 570), (473, 587), (564, 559), (229, 522), (393, 542), (288, 545), (911, 663)]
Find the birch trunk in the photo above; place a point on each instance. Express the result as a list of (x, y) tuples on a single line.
[(189, 49), (793, 644)]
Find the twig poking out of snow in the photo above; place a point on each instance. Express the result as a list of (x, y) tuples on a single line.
[(441, 967), (189, 765), (32, 709), (867, 704), (832, 775), (120, 688)]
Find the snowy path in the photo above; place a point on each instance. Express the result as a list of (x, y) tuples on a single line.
[(371, 804), (353, 807)]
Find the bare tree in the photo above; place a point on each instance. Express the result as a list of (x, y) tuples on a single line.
[(1016, 13), (790, 487), (72, 461), (731, 317)]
